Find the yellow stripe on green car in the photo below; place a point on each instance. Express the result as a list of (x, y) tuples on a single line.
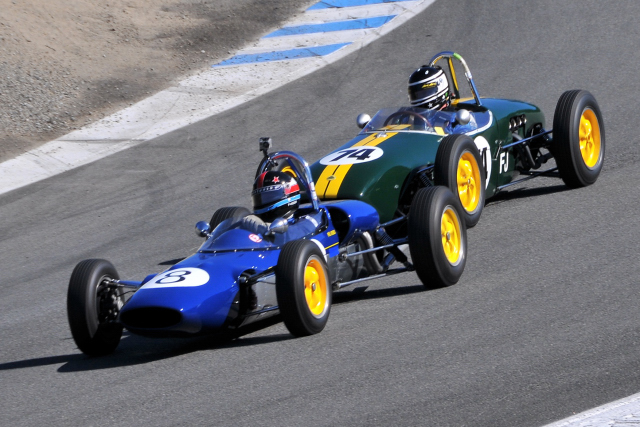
[(332, 176)]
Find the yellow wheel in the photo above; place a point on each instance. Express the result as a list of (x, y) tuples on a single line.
[(458, 166), (590, 142), (437, 237), (578, 138), (451, 236), (469, 187), (315, 287), (303, 288)]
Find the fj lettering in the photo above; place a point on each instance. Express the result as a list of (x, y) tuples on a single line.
[(504, 162)]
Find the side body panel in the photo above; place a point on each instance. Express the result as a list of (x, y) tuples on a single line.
[(502, 168), (359, 217)]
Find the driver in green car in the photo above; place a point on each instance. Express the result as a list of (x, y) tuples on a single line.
[(429, 88)]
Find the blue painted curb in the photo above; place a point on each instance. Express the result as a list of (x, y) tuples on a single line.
[(352, 24), (306, 52), (326, 4)]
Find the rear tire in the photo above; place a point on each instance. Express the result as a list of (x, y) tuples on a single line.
[(235, 212), (303, 288), (578, 138), (437, 237), (92, 307), (458, 166)]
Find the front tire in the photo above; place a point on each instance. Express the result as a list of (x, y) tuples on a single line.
[(235, 212), (458, 166), (578, 138), (437, 237), (93, 307), (303, 288)]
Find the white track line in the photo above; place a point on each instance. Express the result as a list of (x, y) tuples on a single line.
[(210, 92), (621, 413)]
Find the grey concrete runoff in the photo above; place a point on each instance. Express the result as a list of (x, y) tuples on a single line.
[(251, 72), (621, 413)]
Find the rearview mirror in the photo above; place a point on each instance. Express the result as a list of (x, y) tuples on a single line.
[(362, 120), (202, 229), (463, 116), (279, 225)]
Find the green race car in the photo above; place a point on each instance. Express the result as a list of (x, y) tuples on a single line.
[(475, 147)]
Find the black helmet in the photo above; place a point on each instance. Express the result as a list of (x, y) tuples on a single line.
[(429, 88), (275, 194)]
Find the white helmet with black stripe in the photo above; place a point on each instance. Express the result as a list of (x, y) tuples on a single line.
[(429, 88)]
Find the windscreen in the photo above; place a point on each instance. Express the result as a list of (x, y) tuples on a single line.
[(416, 119)]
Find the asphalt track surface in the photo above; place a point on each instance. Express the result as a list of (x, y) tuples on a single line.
[(543, 324)]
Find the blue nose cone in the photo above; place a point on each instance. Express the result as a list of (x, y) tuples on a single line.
[(198, 295)]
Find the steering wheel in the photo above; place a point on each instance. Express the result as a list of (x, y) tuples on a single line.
[(416, 118)]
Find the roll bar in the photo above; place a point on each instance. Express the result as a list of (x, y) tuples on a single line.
[(449, 56)]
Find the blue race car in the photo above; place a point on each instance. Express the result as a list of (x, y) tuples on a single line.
[(286, 257)]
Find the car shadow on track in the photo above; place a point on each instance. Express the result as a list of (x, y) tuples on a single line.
[(526, 192), (362, 293), (136, 350), (130, 352)]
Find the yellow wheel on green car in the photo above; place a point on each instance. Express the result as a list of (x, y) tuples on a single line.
[(469, 187), (578, 138), (451, 236), (590, 142), (437, 237), (458, 166)]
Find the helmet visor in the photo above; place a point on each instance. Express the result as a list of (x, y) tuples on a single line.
[(423, 91), (267, 195)]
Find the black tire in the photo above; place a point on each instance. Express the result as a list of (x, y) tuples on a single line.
[(578, 165), (305, 311), (237, 213), (438, 263), (458, 154), (92, 308)]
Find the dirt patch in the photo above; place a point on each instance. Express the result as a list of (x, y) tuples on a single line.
[(66, 63)]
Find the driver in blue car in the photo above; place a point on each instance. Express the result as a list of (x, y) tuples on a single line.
[(275, 195), (429, 88)]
